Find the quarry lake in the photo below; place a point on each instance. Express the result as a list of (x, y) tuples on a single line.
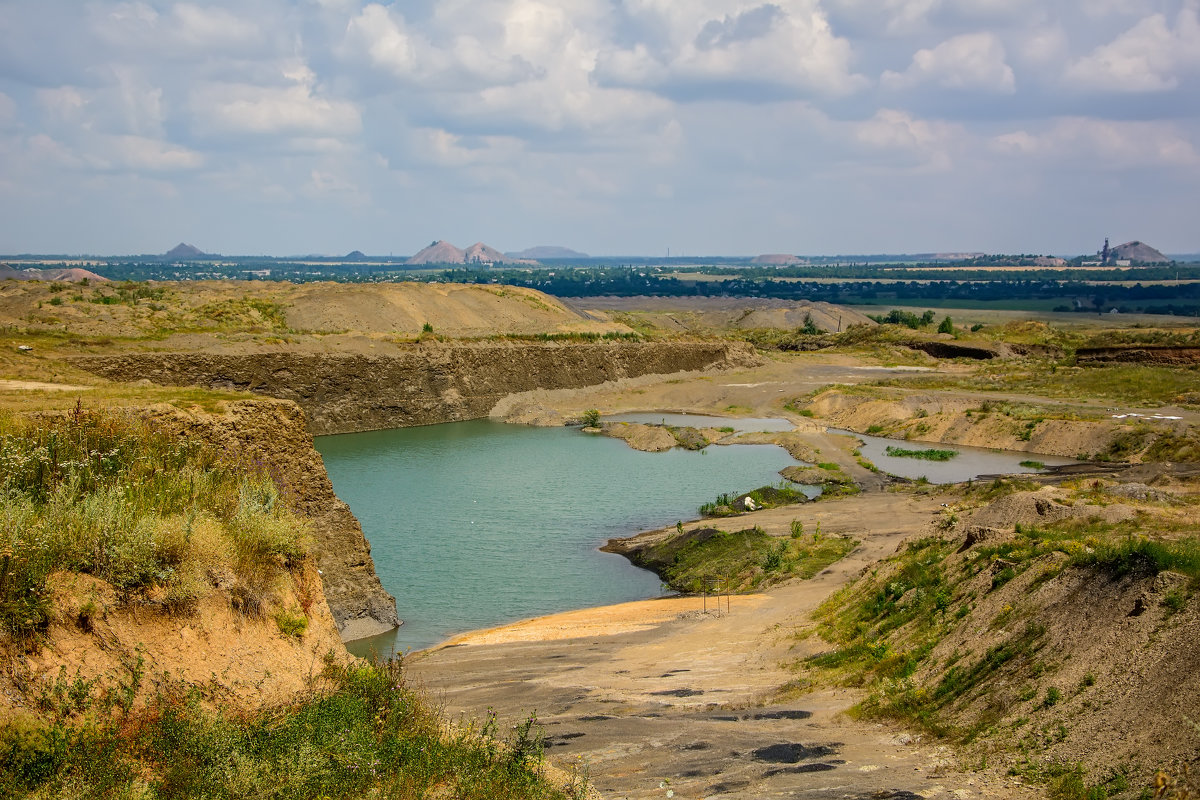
[(475, 524)]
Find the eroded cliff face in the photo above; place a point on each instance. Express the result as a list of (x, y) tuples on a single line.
[(336, 393), (274, 433), (426, 384)]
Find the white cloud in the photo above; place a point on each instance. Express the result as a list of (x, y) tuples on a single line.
[(114, 153), (137, 153), (1102, 144), (8, 111), (787, 44), (1149, 57), (295, 110), (929, 144), (970, 61), (183, 29)]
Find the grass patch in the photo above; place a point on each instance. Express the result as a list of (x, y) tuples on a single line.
[(927, 455), (102, 493), (742, 560), (1033, 465), (364, 734), (730, 505), (1129, 384)]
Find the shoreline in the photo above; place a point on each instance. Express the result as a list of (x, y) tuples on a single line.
[(607, 620)]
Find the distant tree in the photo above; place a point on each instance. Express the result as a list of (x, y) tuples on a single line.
[(927, 318), (947, 326)]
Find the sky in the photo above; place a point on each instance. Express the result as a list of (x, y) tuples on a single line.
[(614, 127)]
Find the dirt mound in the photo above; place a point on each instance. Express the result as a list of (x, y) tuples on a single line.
[(648, 438), (1184, 356), (1140, 252), (709, 314), (1026, 508), (99, 642)]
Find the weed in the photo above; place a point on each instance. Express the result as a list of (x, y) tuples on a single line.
[(364, 733), (927, 455), (104, 494), (291, 622)]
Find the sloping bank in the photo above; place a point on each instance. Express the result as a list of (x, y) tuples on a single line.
[(430, 383)]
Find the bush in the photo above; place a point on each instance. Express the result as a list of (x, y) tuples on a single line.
[(591, 418), (365, 733), (104, 494)]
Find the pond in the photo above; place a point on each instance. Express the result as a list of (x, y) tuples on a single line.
[(739, 424), (476, 524), (970, 462)]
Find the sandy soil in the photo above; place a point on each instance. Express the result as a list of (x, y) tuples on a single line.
[(39, 386), (661, 695)]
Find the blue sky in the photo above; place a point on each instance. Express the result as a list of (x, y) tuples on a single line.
[(610, 126)]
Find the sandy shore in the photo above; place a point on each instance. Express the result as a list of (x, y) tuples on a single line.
[(637, 615)]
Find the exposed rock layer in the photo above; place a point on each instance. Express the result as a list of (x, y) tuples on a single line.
[(430, 383), (273, 433)]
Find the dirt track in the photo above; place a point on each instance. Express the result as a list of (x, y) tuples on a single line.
[(660, 695)]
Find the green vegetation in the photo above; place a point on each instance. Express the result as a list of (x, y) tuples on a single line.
[(1033, 464), (364, 733), (245, 313), (884, 627), (905, 318), (729, 505), (591, 418), (105, 494), (572, 336), (741, 561), (1129, 384), (927, 455)]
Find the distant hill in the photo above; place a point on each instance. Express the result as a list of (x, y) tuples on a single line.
[(439, 252), (355, 255), (66, 275), (775, 259), (442, 252), (548, 252), (185, 252), (1138, 251), (480, 253)]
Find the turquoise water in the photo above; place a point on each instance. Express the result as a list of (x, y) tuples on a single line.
[(739, 424), (970, 462), (475, 524)]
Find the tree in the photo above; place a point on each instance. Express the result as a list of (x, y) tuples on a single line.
[(947, 326)]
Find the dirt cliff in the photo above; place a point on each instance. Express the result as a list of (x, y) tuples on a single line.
[(427, 383), (273, 433), (97, 643)]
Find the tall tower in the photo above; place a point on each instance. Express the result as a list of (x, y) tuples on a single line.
[(1105, 253)]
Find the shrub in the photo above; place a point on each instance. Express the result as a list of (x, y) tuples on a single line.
[(591, 418), (104, 494), (363, 733)]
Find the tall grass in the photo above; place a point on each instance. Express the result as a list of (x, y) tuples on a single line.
[(366, 734), (103, 493)]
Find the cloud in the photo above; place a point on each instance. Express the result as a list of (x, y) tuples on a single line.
[(109, 153), (181, 31), (1149, 57), (927, 144), (1102, 144), (299, 109), (974, 61), (748, 52)]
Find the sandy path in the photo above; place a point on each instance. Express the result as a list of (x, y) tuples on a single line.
[(654, 696)]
